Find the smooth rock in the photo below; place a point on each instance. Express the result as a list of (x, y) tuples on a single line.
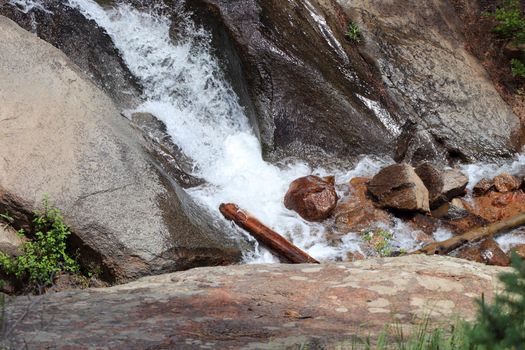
[(483, 186), (252, 306), (86, 44), (398, 187), (62, 136), (10, 241), (506, 183), (312, 197)]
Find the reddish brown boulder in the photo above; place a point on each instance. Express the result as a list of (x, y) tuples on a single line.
[(483, 186), (358, 211), (312, 197), (506, 183), (495, 206), (487, 252), (398, 187)]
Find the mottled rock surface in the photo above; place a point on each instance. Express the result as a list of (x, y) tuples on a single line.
[(506, 183), (312, 197), (397, 186), (255, 306), (486, 251), (62, 136), (421, 53)]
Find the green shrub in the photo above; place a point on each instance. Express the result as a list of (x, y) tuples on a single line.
[(501, 325), (511, 26), (45, 256), (353, 33), (380, 240)]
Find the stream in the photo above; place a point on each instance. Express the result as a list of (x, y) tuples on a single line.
[(185, 88)]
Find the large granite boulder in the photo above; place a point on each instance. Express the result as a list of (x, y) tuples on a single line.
[(255, 306), (397, 186), (62, 136), (86, 44), (421, 54)]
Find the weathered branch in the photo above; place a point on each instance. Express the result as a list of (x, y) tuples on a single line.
[(271, 239), (472, 236)]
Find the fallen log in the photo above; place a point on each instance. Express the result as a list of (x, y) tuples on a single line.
[(472, 236), (279, 245)]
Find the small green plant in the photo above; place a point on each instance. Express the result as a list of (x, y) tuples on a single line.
[(380, 240), (510, 25), (353, 33), (45, 256)]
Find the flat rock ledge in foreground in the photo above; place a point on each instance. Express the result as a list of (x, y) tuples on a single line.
[(253, 306)]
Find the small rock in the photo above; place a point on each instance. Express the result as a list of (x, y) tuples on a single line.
[(398, 187), (10, 242), (483, 186), (355, 256), (487, 252), (312, 197), (495, 206), (442, 185), (504, 183)]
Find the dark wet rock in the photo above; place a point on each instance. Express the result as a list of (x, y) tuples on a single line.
[(506, 183), (487, 252), (416, 145), (312, 197), (87, 45), (307, 90), (62, 136), (442, 185), (357, 211), (159, 143), (422, 56), (254, 306), (483, 186), (398, 187)]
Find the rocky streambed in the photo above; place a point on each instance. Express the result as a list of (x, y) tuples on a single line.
[(138, 119)]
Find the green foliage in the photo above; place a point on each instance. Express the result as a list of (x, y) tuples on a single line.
[(510, 22), (380, 240), (511, 26), (518, 68), (353, 33), (45, 256), (501, 325)]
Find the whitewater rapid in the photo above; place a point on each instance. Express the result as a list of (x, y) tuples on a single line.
[(185, 88)]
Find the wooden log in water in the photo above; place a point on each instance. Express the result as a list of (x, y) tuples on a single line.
[(279, 245), (472, 236)]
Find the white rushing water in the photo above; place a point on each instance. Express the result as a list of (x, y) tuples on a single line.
[(185, 88)]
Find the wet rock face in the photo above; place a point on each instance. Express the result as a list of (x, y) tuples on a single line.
[(312, 197), (255, 306), (306, 87), (64, 137), (87, 45), (398, 187), (420, 51)]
